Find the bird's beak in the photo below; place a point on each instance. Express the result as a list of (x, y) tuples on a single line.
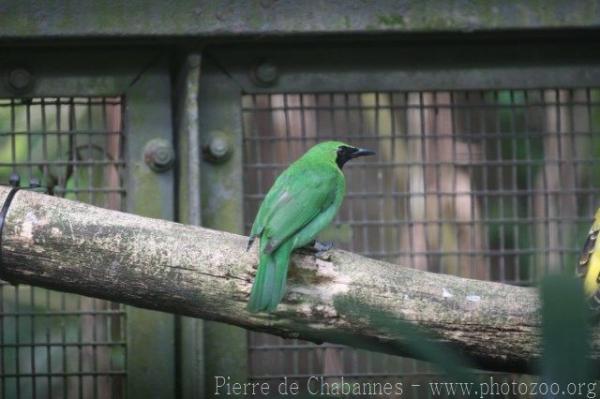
[(361, 152)]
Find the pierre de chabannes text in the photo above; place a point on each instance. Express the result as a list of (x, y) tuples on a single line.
[(323, 386)]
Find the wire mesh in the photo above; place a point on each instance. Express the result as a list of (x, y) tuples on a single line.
[(487, 184), (57, 345)]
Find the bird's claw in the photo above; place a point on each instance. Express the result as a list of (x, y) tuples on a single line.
[(318, 249), (317, 246), (321, 247)]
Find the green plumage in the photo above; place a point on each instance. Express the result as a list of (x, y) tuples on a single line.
[(303, 201)]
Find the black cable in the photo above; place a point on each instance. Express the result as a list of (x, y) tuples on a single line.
[(3, 213)]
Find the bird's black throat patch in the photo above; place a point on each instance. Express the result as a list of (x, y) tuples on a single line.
[(344, 154)]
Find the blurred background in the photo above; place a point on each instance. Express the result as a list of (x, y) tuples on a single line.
[(488, 149), (493, 185)]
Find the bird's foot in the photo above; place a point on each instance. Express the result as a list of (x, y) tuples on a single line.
[(317, 246), (318, 249)]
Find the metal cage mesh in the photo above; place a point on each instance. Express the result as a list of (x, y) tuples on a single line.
[(52, 344), (487, 184)]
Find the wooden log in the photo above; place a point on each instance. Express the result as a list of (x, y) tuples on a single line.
[(156, 264)]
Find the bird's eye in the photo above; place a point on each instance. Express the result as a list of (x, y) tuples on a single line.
[(343, 150)]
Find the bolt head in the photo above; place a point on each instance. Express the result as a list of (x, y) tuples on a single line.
[(162, 156), (159, 155), (19, 79), (218, 148), (266, 73)]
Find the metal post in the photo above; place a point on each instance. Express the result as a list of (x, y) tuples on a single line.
[(190, 330)]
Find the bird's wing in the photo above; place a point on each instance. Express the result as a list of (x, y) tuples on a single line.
[(272, 200), (588, 250), (297, 203)]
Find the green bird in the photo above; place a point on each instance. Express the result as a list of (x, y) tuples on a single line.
[(303, 201)]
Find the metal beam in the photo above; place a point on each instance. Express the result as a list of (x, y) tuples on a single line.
[(37, 19), (220, 118), (150, 334), (282, 68)]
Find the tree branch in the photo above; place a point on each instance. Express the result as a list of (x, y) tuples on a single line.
[(70, 246)]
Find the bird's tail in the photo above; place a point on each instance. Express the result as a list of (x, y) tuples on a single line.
[(269, 284)]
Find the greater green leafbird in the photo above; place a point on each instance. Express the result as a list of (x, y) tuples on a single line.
[(303, 201)]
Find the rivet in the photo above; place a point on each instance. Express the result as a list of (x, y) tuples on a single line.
[(218, 147), (265, 73), (20, 79), (159, 155)]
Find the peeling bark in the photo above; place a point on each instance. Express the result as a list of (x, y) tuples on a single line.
[(70, 246)]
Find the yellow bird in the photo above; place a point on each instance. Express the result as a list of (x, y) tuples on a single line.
[(589, 264)]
